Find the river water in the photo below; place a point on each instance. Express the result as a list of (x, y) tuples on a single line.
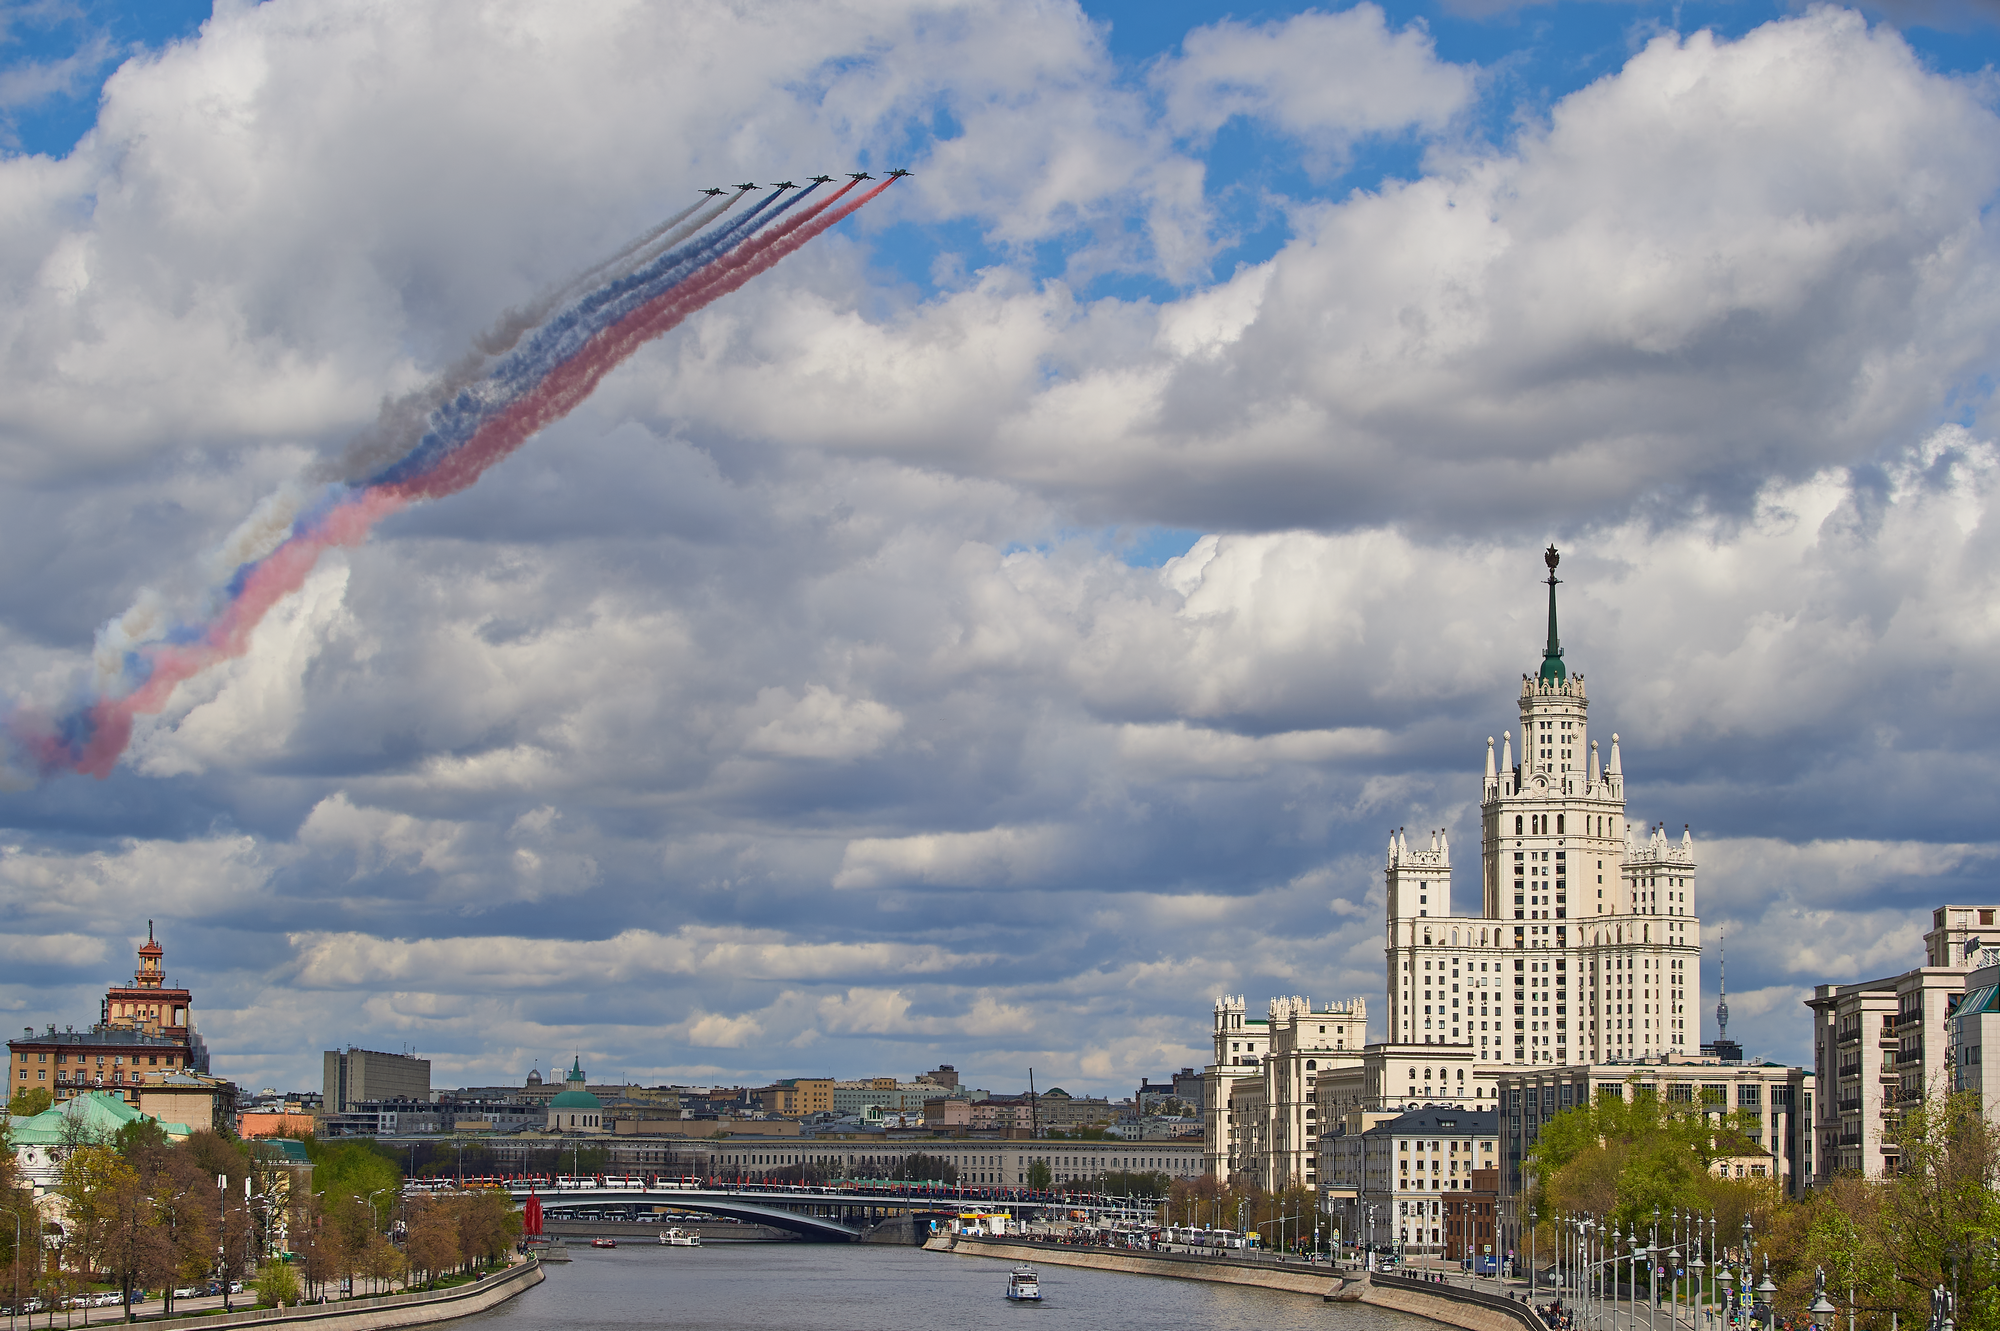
[(871, 1287)]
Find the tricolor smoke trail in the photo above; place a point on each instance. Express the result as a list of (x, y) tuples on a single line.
[(534, 367)]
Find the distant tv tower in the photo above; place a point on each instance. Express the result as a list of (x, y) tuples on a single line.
[(1722, 998)]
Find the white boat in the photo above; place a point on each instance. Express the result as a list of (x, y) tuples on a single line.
[(679, 1238), (1024, 1286)]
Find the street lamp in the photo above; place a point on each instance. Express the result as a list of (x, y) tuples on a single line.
[(1821, 1306), (1534, 1219)]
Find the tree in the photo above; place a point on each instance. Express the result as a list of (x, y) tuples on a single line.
[(382, 1261), (89, 1182), (1627, 1156), (138, 1137), (1123, 1183), (30, 1101), (276, 1284), (432, 1240), (919, 1167), (1040, 1176), (187, 1212)]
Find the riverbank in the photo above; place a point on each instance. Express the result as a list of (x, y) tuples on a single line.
[(380, 1312), (1470, 1310)]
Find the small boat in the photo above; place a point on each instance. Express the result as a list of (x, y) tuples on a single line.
[(604, 1243), (679, 1238), (1024, 1286)]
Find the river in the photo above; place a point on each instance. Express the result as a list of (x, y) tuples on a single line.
[(871, 1287)]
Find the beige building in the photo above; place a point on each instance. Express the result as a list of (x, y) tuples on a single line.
[(1882, 1045), (190, 1098), (797, 1097), (1259, 1116), (1393, 1181), (352, 1076), (1975, 1028)]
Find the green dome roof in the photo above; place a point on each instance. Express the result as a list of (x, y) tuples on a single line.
[(575, 1097)]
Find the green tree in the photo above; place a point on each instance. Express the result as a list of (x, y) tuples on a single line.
[(276, 1284), (1040, 1176), (30, 1101), (1125, 1183), (140, 1136)]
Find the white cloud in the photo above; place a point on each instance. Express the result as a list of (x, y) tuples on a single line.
[(710, 1030), (994, 857), (822, 724), (1329, 78)]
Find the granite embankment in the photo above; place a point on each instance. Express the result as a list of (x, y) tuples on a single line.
[(1472, 1310), (383, 1312)]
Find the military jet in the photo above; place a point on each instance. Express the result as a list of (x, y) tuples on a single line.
[(784, 184), (821, 180), (747, 185), (898, 172), (859, 175), (714, 191)]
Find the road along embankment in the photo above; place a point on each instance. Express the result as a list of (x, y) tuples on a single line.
[(1472, 1310), (384, 1312)]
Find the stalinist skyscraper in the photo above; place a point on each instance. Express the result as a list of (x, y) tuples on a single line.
[(1586, 946)]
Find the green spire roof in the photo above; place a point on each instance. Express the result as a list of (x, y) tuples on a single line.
[(1553, 671)]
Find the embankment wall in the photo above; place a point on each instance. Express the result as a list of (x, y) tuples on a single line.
[(1471, 1310), (384, 1312)]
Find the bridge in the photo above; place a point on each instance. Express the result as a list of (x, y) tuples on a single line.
[(832, 1213)]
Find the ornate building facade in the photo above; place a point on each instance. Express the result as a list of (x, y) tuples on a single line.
[(1581, 946), (1586, 946)]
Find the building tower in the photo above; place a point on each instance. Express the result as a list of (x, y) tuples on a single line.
[(150, 1006), (1585, 944), (1722, 991)]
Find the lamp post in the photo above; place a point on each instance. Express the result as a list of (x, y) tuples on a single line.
[(1695, 1264), (1821, 1306), (1634, 1251), (1534, 1219)]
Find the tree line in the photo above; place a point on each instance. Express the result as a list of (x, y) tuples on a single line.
[(136, 1212), (1932, 1223)]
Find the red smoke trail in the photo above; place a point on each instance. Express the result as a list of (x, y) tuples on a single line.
[(283, 572)]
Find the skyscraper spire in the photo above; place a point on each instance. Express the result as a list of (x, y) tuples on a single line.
[(1553, 671)]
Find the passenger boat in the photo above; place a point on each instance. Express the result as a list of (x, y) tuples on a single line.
[(1024, 1286), (679, 1238), (604, 1243)]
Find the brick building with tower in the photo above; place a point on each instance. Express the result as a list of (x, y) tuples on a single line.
[(143, 1046)]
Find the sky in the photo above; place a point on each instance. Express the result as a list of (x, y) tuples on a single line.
[(1022, 615)]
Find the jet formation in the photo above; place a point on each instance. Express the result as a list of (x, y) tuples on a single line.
[(898, 173)]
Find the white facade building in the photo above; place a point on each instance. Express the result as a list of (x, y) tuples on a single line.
[(1582, 946), (1260, 1116), (1586, 946), (1882, 1045)]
